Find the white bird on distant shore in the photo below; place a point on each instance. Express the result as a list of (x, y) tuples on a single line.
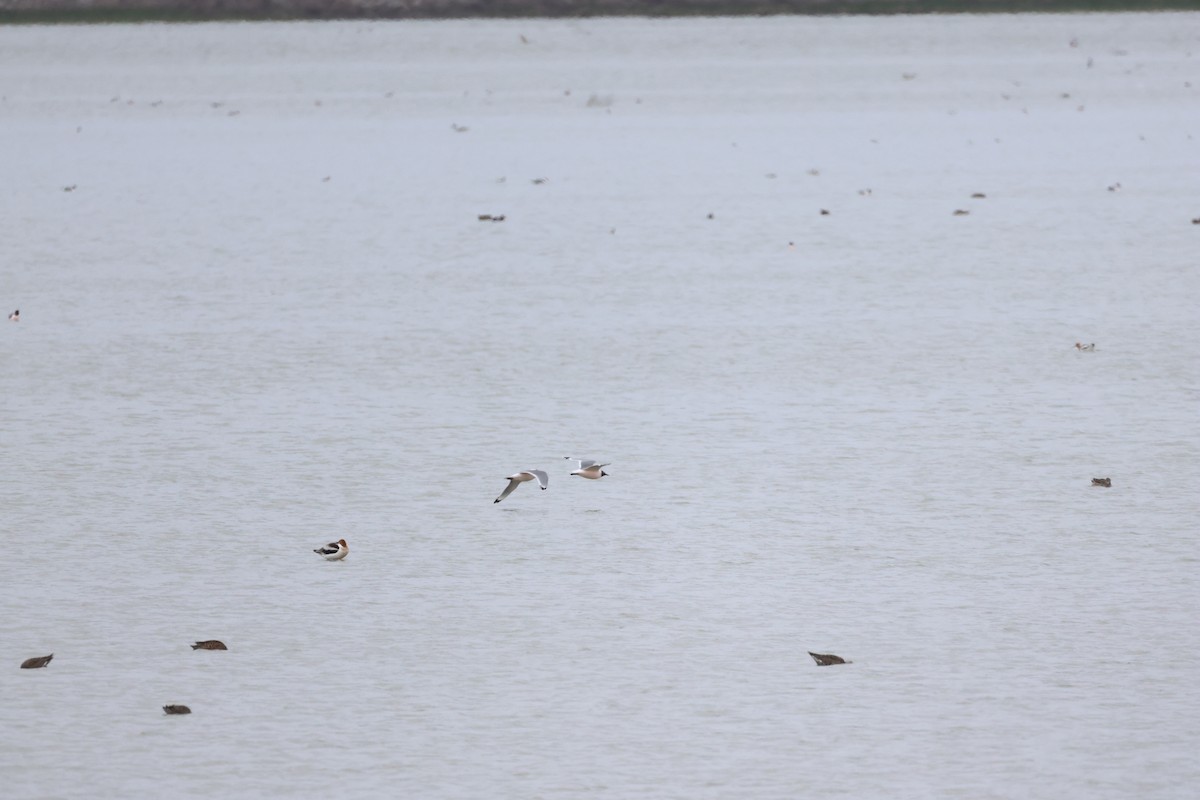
[(334, 551), (592, 470), (516, 480)]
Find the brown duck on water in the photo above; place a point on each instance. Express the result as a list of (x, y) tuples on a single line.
[(35, 663), (177, 709), (210, 644)]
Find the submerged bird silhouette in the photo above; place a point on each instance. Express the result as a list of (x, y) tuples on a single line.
[(827, 659), (516, 480)]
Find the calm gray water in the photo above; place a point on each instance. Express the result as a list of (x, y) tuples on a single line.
[(267, 317)]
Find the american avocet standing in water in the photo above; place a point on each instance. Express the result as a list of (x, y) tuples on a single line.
[(334, 551)]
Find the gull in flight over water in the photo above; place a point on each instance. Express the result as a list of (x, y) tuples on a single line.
[(516, 480), (592, 470)]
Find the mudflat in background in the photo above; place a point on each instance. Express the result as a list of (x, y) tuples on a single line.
[(266, 316)]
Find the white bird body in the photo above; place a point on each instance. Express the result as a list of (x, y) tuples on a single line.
[(15, 316), (516, 480), (1085, 347), (592, 470), (334, 551)]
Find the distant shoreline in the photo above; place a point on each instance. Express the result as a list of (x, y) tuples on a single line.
[(131, 11)]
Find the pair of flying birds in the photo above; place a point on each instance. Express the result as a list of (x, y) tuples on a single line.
[(592, 470)]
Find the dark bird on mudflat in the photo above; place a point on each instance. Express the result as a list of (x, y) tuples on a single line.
[(209, 644), (827, 659)]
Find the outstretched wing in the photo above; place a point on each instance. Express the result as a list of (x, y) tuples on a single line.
[(584, 463), (542, 477), (512, 484)]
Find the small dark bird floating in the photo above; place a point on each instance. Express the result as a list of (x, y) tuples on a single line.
[(827, 659), (36, 663), (1105, 482), (824, 212), (491, 218), (978, 196), (961, 212), (71, 188), (173, 709), (209, 644)]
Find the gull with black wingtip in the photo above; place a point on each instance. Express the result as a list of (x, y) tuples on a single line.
[(528, 475)]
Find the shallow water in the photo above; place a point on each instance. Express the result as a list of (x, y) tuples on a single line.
[(267, 317)]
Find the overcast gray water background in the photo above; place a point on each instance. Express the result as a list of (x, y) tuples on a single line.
[(267, 317)]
